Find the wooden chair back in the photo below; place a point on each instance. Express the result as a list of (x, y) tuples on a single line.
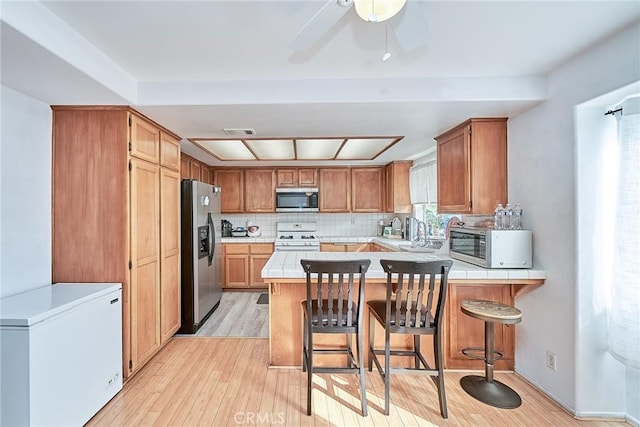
[(411, 287), (330, 292)]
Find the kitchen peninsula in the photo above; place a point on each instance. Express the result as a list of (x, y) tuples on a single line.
[(285, 278)]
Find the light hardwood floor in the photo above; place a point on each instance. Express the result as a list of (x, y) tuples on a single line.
[(238, 315), (197, 381)]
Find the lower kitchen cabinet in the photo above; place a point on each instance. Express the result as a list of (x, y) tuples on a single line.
[(465, 331), (345, 247), (243, 264)]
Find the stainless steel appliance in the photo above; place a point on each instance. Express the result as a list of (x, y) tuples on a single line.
[(201, 253), (227, 227), (296, 237), (491, 248), (296, 200)]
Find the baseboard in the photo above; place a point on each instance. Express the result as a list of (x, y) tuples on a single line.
[(581, 416)]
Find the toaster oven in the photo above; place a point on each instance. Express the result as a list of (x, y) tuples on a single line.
[(491, 248)]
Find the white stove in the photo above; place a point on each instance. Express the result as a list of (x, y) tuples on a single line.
[(296, 236)]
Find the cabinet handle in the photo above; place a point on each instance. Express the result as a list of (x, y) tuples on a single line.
[(115, 300)]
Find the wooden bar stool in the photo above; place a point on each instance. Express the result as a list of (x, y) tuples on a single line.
[(486, 389), (334, 306)]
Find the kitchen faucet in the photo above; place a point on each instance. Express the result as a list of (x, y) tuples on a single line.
[(421, 238)]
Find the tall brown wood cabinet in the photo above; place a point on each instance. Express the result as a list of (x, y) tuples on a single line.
[(259, 190), (335, 189), (367, 189), (116, 217), (397, 182), (472, 167), (232, 183)]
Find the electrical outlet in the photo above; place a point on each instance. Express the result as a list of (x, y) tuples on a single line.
[(353, 221), (551, 360)]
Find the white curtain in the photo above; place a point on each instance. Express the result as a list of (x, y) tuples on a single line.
[(423, 183), (624, 309)]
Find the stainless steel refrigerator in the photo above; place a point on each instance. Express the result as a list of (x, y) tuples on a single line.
[(201, 253)]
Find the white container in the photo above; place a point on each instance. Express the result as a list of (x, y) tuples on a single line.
[(60, 353)]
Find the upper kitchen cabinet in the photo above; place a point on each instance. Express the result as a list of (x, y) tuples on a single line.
[(169, 151), (297, 177), (472, 167), (398, 199), (366, 189), (196, 170), (185, 167), (335, 189), (259, 190), (116, 217), (232, 183), (145, 139)]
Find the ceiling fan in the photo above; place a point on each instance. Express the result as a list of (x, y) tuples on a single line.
[(405, 17)]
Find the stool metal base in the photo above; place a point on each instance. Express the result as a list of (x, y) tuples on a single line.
[(492, 393)]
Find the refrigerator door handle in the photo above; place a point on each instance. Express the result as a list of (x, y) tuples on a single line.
[(212, 237)]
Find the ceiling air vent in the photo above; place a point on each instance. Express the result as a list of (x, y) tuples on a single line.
[(239, 132)]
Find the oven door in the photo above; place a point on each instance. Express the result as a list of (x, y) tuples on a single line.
[(469, 246), (296, 248)]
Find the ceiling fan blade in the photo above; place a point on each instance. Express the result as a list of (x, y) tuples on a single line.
[(320, 24), (410, 26)]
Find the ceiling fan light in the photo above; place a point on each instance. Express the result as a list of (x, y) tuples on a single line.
[(379, 10)]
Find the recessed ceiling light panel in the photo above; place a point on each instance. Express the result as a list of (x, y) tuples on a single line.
[(227, 149), (272, 149), (318, 149), (363, 148)]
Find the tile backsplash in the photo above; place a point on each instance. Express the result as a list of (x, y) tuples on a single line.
[(348, 224)]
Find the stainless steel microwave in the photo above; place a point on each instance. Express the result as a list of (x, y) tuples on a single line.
[(296, 200), (491, 248)]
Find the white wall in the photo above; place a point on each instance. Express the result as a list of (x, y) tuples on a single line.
[(25, 171), (542, 177)]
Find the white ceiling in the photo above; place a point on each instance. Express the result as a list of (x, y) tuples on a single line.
[(198, 67)]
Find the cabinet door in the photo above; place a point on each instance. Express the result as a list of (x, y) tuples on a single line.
[(366, 189), (145, 261), (259, 190), (259, 255), (454, 184), (356, 247), (169, 253), (144, 139), (196, 170), (232, 183), (398, 199), (204, 174), (332, 247), (169, 151), (466, 331), (308, 177), (488, 145), (287, 178), (185, 167), (335, 190)]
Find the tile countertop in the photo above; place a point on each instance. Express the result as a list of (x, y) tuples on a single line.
[(287, 265), (389, 243)]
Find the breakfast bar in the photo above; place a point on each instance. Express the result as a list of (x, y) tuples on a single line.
[(286, 281)]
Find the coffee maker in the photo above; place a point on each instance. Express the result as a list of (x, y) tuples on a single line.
[(226, 228)]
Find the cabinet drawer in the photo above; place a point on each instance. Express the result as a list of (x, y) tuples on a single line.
[(266, 248), (234, 248)]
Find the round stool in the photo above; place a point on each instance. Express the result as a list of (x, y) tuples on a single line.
[(486, 389)]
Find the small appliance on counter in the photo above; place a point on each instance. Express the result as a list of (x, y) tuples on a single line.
[(491, 248), (239, 232), (226, 228), (253, 231)]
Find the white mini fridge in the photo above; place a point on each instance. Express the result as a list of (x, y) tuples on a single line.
[(60, 353)]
